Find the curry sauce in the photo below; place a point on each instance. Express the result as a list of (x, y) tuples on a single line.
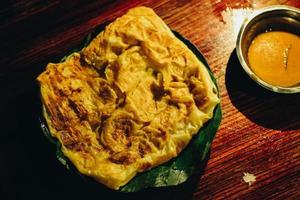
[(274, 57)]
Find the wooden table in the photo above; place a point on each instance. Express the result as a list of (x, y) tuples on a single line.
[(259, 134)]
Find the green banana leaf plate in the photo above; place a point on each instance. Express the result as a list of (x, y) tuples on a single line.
[(175, 171)]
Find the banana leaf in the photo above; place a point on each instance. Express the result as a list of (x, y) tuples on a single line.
[(175, 171)]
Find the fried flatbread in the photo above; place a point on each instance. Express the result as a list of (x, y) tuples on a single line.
[(129, 101)]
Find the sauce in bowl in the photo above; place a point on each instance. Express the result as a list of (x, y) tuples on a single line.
[(275, 58)]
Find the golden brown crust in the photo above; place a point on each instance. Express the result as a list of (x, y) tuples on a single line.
[(129, 101)]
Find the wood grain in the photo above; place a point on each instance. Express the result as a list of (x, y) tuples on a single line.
[(260, 131)]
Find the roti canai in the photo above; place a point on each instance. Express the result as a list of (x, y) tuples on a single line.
[(129, 101)]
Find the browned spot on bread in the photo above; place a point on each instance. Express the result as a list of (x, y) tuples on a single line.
[(173, 103), (106, 94), (124, 125), (144, 148), (125, 157), (79, 110), (200, 100), (198, 90), (157, 91), (115, 69), (68, 139), (121, 100), (145, 166), (57, 117)]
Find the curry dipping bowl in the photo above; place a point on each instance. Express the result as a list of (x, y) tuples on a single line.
[(273, 18)]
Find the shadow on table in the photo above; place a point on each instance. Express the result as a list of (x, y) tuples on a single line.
[(30, 170), (266, 108)]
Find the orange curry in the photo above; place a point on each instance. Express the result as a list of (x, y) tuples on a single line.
[(275, 58)]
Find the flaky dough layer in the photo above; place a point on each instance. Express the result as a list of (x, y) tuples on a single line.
[(129, 101)]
